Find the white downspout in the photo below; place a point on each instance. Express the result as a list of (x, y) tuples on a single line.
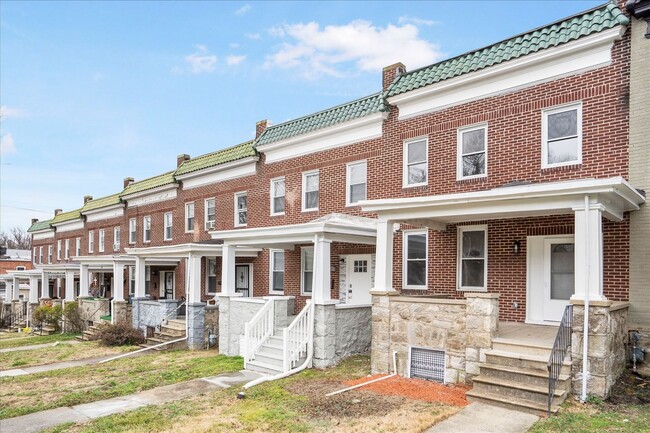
[(585, 328)]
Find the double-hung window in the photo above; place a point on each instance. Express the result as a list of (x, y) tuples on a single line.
[(102, 238), (35, 255), (277, 196), (277, 271), (78, 247), (49, 253), (67, 249), (356, 181), (210, 214), (307, 270), (132, 230), (189, 217), (310, 184), (91, 242), (58, 250), (40, 255), (146, 229), (415, 162), (415, 259), (116, 238), (472, 152), (562, 136), (241, 209), (472, 258), (211, 283), (168, 221)]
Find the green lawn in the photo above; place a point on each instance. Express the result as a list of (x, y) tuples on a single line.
[(596, 418), (15, 339)]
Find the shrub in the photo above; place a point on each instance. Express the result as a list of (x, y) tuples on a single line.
[(73, 320), (120, 334), (48, 315)]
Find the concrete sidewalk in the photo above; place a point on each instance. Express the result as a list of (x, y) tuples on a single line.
[(85, 412), (55, 366), (38, 346), (482, 418)]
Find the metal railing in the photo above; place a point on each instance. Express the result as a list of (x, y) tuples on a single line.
[(258, 330), (164, 320), (559, 351), (298, 337)]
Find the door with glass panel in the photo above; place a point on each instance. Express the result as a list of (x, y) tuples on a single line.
[(242, 283), (559, 276)]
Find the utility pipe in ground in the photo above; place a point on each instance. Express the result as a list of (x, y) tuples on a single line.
[(143, 349), (340, 391)]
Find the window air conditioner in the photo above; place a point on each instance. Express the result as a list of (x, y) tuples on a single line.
[(209, 225)]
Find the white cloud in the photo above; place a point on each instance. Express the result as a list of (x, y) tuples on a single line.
[(201, 61), (347, 49), (9, 112), (405, 19), (235, 60), (242, 10), (7, 144), (253, 36)]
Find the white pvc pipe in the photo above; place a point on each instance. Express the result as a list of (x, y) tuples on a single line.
[(340, 391), (585, 328), (142, 350)]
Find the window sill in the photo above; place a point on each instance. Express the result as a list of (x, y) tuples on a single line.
[(414, 185), (474, 179), (276, 292), (471, 289), (276, 214), (559, 167), (309, 210)]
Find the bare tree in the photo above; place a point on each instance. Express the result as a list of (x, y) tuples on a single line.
[(16, 239)]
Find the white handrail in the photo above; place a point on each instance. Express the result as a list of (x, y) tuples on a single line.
[(298, 337), (258, 330)]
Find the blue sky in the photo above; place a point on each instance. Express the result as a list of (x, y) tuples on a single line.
[(92, 92)]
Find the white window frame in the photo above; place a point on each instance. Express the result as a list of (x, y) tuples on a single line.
[(91, 242), (348, 184), (459, 251), (405, 236), (66, 250), (304, 191), (102, 240), (58, 250), (272, 197), (214, 220), (168, 224), (272, 253), (405, 163), (207, 275), (117, 238), (554, 110), (302, 272), (40, 255), (188, 206), (49, 253), (459, 147), (146, 229), (35, 255), (133, 230), (236, 196), (78, 247)]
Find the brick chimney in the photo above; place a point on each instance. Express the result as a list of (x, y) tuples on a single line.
[(390, 74), (34, 221), (128, 181), (87, 198), (260, 127), (57, 211), (181, 159)]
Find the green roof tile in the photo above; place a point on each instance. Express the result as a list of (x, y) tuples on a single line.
[(97, 203), (40, 225), (330, 117), (595, 20), (212, 159), (150, 183), (66, 216)]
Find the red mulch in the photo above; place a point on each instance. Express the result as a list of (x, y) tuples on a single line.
[(416, 389)]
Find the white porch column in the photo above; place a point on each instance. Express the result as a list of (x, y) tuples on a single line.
[(45, 286), (193, 270), (9, 290), (140, 277), (228, 283), (321, 290), (84, 281), (384, 263), (16, 293), (33, 289), (118, 281), (69, 285), (589, 253)]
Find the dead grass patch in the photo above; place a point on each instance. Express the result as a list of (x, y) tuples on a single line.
[(58, 353)]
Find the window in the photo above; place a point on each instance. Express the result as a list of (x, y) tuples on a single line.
[(277, 271), (562, 271), (241, 209), (168, 226), (210, 214), (40, 255), (132, 230), (116, 239), (102, 237), (355, 183), (360, 266), (277, 196), (91, 242), (147, 280), (58, 250), (307, 270), (211, 284), (310, 182), (189, 217), (472, 152), (562, 136), (131, 280), (66, 252), (35, 255), (78, 247), (415, 162), (49, 253), (146, 229), (415, 259), (472, 258)]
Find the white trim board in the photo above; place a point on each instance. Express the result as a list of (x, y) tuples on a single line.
[(114, 211), (220, 173), (69, 226), (155, 195), (43, 235)]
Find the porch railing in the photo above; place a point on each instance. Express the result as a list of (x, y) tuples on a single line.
[(556, 360), (165, 319), (298, 337), (258, 330)]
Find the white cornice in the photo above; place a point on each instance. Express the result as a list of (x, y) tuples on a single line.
[(219, 173), (107, 212), (68, 226), (43, 234), (161, 193)]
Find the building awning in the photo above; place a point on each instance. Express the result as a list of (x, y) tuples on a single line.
[(204, 249), (612, 196)]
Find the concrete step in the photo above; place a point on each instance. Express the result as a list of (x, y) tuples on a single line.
[(169, 337), (175, 324), (268, 358), (514, 389), (510, 403), (174, 332), (528, 348), (522, 360), (263, 367), (522, 375)]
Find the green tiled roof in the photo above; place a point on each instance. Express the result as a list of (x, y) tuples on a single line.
[(595, 20), (152, 182), (215, 158), (39, 225), (66, 216), (332, 116), (97, 203)]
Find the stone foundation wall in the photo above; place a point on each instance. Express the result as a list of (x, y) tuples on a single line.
[(121, 312), (234, 312), (92, 309), (353, 330), (212, 323), (151, 313)]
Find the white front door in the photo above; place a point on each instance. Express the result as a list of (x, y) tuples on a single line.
[(551, 277), (167, 285), (359, 279)]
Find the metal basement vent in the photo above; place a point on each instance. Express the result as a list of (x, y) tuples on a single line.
[(427, 364)]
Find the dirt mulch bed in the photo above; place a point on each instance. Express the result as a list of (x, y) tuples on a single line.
[(630, 389)]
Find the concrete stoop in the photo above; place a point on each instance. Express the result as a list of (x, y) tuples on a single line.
[(173, 329), (90, 331), (515, 376), (268, 358)]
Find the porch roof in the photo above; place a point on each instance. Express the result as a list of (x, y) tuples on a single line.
[(335, 227), (613, 196), (202, 249)]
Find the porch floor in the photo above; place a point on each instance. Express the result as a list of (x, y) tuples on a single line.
[(523, 333)]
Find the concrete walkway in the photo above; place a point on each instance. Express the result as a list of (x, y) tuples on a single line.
[(482, 418), (38, 346), (85, 412), (55, 366)]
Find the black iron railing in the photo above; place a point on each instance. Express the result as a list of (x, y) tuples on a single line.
[(560, 347)]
